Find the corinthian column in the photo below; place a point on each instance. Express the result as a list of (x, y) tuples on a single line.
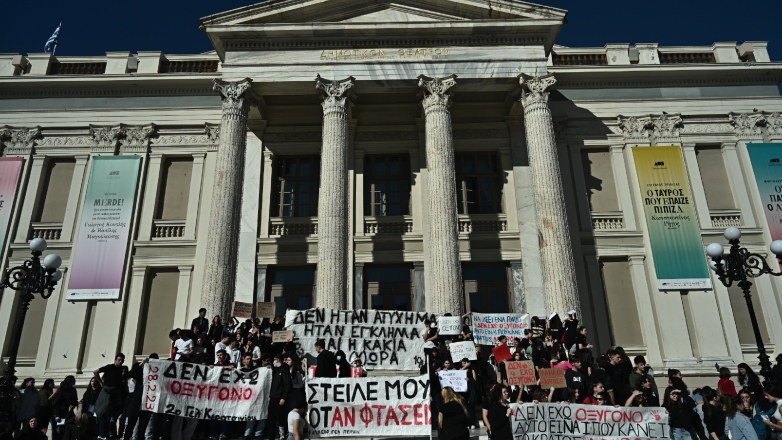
[(222, 240), (332, 280), (443, 272), (556, 253)]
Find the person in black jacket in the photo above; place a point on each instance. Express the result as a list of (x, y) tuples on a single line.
[(499, 414), (278, 393), (680, 411), (327, 363), (344, 365), (713, 416), (453, 417)]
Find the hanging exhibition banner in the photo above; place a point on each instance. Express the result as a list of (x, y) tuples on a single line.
[(101, 247), (551, 420), (674, 232), (387, 406), (205, 392), (487, 327), (766, 165), (10, 169), (384, 340)]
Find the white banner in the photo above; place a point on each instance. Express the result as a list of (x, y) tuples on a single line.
[(456, 379), (203, 392), (384, 340), (587, 422), (449, 325), (487, 327), (461, 350), (388, 406)]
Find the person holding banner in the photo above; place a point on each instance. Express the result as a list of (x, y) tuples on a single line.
[(499, 414), (453, 417)]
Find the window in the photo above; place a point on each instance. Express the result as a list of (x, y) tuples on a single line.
[(599, 179), (174, 188), (292, 287), (157, 313), (478, 187), (387, 186), (57, 185), (389, 288), (621, 304), (486, 288), (298, 181), (714, 175)]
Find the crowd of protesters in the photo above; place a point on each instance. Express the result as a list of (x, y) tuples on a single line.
[(110, 407)]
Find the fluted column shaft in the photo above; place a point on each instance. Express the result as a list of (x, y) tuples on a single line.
[(219, 282), (556, 252), (332, 280), (443, 271)]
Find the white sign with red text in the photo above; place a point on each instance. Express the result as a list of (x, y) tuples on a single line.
[(587, 422), (488, 327), (388, 406), (204, 392)]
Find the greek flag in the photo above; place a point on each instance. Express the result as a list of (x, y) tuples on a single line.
[(51, 43)]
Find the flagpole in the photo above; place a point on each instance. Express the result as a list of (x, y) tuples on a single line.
[(59, 29)]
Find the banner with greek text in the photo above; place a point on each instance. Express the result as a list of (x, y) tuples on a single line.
[(487, 327), (587, 422), (674, 232), (204, 392), (387, 406), (384, 340), (101, 247), (766, 162), (10, 169)]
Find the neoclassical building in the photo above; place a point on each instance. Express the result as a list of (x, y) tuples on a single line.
[(437, 155)]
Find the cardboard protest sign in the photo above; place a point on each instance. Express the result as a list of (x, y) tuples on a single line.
[(449, 325), (486, 328), (461, 350), (521, 373), (378, 406), (282, 336), (242, 310), (384, 340), (501, 353), (551, 420), (203, 392), (552, 377), (265, 309), (456, 379)]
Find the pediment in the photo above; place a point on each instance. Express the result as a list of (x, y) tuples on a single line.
[(381, 11)]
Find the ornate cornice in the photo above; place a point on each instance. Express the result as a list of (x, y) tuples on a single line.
[(666, 128), (568, 84), (106, 138), (774, 124), (237, 97), (320, 43), (481, 133), (137, 138), (635, 128), (436, 90), (747, 125), (335, 93), (293, 136), (119, 92), (19, 141), (212, 133), (389, 135), (535, 88)]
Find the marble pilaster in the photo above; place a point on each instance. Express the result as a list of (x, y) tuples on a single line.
[(559, 274), (419, 283), (444, 271), (219, 279), (358, 286), (332, 276)]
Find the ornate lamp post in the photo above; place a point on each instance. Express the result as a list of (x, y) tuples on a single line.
[(28, 278), (740, 266)]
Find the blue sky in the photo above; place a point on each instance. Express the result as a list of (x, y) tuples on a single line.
[(93, 27)]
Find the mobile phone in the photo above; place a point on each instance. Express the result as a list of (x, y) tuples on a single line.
[(764, 417)]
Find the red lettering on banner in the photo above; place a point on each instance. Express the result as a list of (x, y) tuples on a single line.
[(176, 387), (337, 418), (427, 414), (236, 394), (223, 396), (350, 416), (380, 409), (187, 389), (201, 389), (391, 414), (417, 415), (596, 415), (248, 393), (404, 409), (211, 388)]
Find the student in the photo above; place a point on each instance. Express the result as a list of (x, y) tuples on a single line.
[(453, 417), (725, 385), (737, 425), (574, 376), (109, 399), (713, 416), (327, 362), (200, 324), (296, 420), (679, 414), (499, 414), (184, 345), (279, 391)]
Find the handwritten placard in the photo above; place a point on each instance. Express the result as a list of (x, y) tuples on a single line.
[(552, 377), (265, 309), (282, 336), (461, 350), (243, 310), (521, 373), (456, 379), (449, 325)]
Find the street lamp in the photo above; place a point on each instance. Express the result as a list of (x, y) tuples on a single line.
[(28, 278), (739, 266)]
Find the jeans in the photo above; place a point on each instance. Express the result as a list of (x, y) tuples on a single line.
[(255, 428), (183, 428), (680, 434)]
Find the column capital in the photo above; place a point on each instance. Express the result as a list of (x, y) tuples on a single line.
[(436, 90), (334, 92), (106, 138), (137, 138), (535, 88), (19, 140), (237, 97)]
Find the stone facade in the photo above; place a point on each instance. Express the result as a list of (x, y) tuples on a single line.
[(398, 188)]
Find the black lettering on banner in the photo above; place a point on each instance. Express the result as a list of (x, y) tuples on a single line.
[(390, 386), (185, 372), (225, 376), (171, 371), (312, 394)]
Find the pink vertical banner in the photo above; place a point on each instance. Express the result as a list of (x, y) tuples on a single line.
[(10, 169)]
